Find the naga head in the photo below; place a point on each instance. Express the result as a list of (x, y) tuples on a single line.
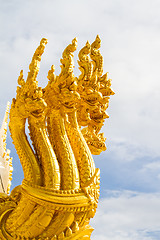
[(95, 91), (29, 101), (61, 91)]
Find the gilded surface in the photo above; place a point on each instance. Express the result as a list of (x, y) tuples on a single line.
[(60, 190)]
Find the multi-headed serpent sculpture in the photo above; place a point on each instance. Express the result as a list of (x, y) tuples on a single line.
[(60, 190)]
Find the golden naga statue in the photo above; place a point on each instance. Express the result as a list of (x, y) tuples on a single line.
[(60, 190)]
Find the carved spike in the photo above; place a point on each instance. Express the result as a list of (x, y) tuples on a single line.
[(66, 76), (54, 237), (51, 74), (75, 227), (21, 81), (68, 232), (97, 43), (85, 64), (61, 236), (71, 209), (56, 208), (97, 57), (34, 68)]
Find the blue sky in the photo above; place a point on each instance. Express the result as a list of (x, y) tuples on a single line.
[(130, 168)]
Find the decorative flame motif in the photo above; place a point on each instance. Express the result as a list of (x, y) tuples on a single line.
[(5, 160), (60, 190)]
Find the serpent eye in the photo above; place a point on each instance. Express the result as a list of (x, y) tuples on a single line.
[(38, 93), (27, 100)]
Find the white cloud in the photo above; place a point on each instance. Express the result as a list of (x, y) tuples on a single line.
[(127, 215), (154, 166)]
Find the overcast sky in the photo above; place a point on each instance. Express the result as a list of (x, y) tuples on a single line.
[(129, 206)]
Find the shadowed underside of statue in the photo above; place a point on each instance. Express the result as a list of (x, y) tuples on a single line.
[(60, 190)]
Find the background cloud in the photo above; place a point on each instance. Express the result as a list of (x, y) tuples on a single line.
[(131, 48), (128, 215)]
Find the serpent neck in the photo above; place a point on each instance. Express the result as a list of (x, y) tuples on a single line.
[(45, 154), (80, 148), (63, 150)]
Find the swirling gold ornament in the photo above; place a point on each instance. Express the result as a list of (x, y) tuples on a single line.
[(60, 190)]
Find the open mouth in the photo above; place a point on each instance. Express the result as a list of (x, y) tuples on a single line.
[(91, 102), (100, 145), (37, 113), (98, 120), (69, 104), (97, 117)]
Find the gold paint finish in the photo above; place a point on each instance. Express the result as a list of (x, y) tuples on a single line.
[(60, 190)]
